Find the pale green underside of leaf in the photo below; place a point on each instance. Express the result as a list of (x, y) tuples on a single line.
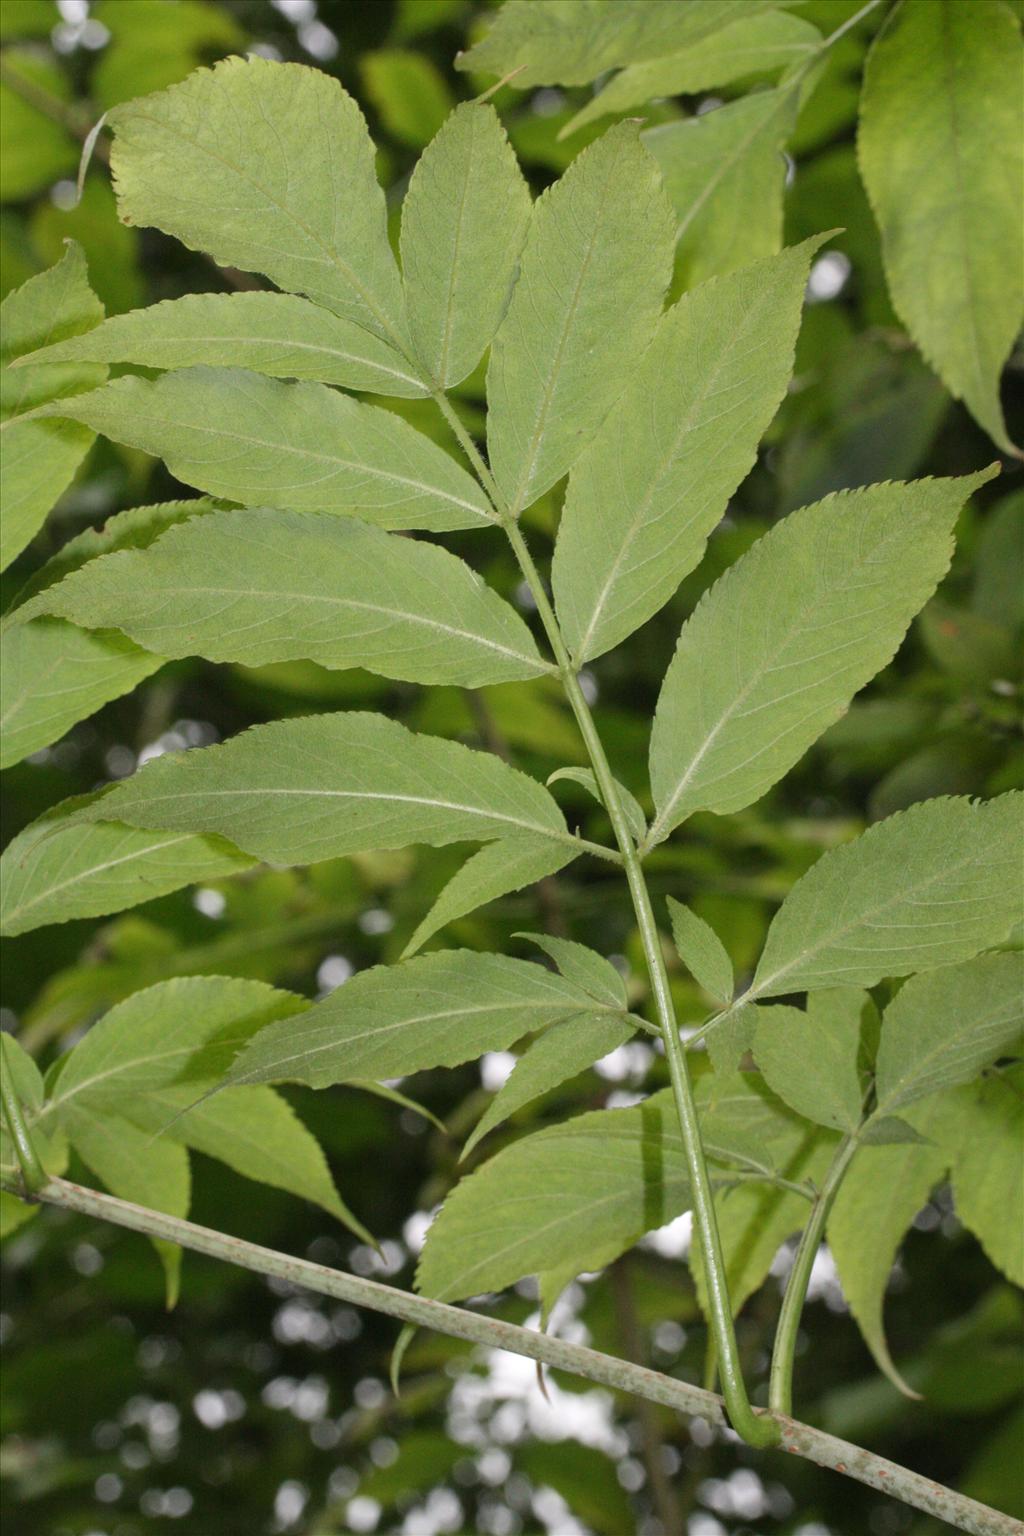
[(988, 1183), (51, 1145), (185, 1031), (753, 45), (725, 174), (571, 42), (267, 167), (702, 952), (279, 334), (298, 791), (811, 1063), (591, 282), (302, 447), (132, 1166), (929, 886), (944, 1027), (651, 486), (52, 872), (583, 967), (255, 1132), (38, 459), (136, 528), (781, 643), (510, 864), (941, 147), (464, 220), (54, 675), (261, 586), (561, 1052), (577, 1193), (882, 1192), (436, 1010), (631, 807)]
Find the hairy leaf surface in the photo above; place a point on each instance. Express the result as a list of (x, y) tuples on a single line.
[(650, 487), (303, 447), (39, 458), (433, 1011), (942, 156), (591, 282), (297, 791), (263, 586), (930, 886), (267, 167), (781, 643), (279, 334), (464, 220), (56, 869), (943, 1027)]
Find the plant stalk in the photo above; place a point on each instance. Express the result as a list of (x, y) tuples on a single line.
[(620, 1375), (754, 1429), (33, 1175), (780, 1390)]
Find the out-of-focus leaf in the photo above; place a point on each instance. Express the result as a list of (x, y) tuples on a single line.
[(411, 96)]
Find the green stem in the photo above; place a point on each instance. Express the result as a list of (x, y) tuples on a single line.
[(780, 1392), (458, 1322), (756, 1430), (33, 1175)]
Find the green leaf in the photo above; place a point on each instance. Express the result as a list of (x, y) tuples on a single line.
[(811, 1061), (507, 865), (997, 594), (987, 1187), (302, 447), (57, 869), (882, 1192), (579, 1193), (136, 528), (154, 44), (298, 791), (411, 96), (252, 1130), (781, 643), (561, 1052), (55, 675), (702, 952), (944, 1027), (571, 42), (630, 805), (941, 146), (645, 494), (24, 1077), (464, 220), (725, 174), (267, 167), (591, 282), (39, 458), (278, 334), (262, 586), (135, 1167), (183, 1031), (437, 1010), (932, 885), (583, 967), (754, 45)]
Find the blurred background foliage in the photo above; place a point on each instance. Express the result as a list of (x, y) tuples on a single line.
[(248, 1409)]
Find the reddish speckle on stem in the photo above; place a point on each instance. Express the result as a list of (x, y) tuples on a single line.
[(840, 1466)]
